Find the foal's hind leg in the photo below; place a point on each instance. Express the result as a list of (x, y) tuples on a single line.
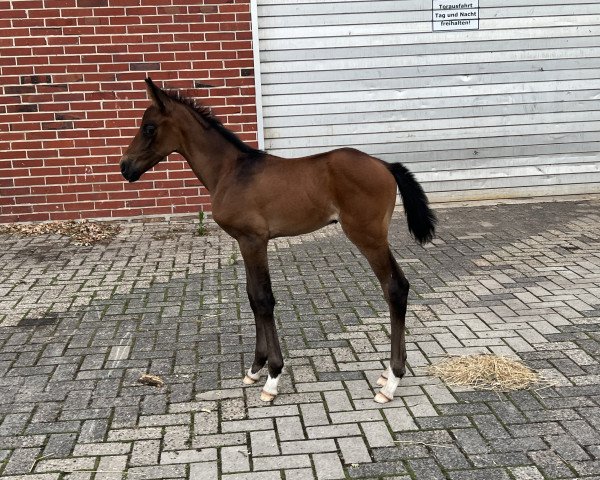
[(397, 297), (258, 285), (395, 290)]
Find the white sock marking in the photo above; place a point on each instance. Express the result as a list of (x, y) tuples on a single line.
[(271, 385), (253, 376), (391, 385)]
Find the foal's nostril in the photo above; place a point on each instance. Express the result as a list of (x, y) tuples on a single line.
[(128, 170), (124, 164)]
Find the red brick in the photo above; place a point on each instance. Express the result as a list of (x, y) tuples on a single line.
[(158, 19), (80, 68), (60, 3), (233, 8), (112, 11), (245, 35), (75, 152), (88, 36), (61, 22), (190, 208), (172, 10), (213, 36), (109, 205), (92, 21), (18, 89), (115, 187), (68, 215), (6, 182), (15, 192), (33, 140), (42, 154), (50, 69), (92, 3), (219, 18), (61, 198), (140, 11), (157, 211), (63, 40), (29, 41), (45, 190), (136, 30), (78, 206)]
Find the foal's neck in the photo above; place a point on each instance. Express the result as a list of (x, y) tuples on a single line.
[(208, 153)]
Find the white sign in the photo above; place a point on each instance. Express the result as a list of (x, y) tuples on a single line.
[(455, 15)]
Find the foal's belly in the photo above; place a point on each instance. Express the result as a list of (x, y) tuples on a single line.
[(298, 224)]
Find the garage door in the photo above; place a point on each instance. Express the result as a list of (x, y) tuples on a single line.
[(481, 99)]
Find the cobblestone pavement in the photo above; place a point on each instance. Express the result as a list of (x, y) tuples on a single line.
[(79, 325)]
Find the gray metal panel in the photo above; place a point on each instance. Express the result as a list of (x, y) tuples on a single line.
[(509, 109), (428, 72)]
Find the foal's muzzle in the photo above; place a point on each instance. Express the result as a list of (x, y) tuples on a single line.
[(128, 171)]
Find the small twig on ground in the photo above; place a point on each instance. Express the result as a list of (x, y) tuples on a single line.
[(414, 442), (38, 459)]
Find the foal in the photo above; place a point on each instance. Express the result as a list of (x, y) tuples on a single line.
[(256, 196)]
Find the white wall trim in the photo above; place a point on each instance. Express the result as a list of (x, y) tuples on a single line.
[(260, 131)]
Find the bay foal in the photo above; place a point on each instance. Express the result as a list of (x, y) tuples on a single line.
[(256, 196)]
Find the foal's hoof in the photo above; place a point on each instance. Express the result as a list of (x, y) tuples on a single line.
[(381, 398), (267, 397), (381, 381), (251, 378)]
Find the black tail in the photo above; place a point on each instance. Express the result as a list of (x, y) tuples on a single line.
[(421, 220)]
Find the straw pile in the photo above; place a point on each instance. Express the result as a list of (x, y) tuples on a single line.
[(82, 233), (486, 372)]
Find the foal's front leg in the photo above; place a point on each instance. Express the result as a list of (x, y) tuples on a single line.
[(260, 356), (258, 286)]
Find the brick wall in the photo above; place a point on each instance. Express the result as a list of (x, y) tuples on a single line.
[(71, 76)]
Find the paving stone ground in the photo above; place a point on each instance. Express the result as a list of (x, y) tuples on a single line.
[(79, 325)]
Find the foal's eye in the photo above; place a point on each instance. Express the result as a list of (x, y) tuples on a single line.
[(148, 130)]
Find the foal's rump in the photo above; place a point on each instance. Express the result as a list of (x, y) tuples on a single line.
[(365, 188)]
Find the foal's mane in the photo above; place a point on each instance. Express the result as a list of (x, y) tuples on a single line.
[(206, 114)]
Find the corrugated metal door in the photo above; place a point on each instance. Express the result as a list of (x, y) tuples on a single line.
[(508, 110)]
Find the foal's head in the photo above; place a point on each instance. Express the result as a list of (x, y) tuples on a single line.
[(158, 136)]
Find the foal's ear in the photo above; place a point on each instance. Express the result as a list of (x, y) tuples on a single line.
[(158, 97)]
